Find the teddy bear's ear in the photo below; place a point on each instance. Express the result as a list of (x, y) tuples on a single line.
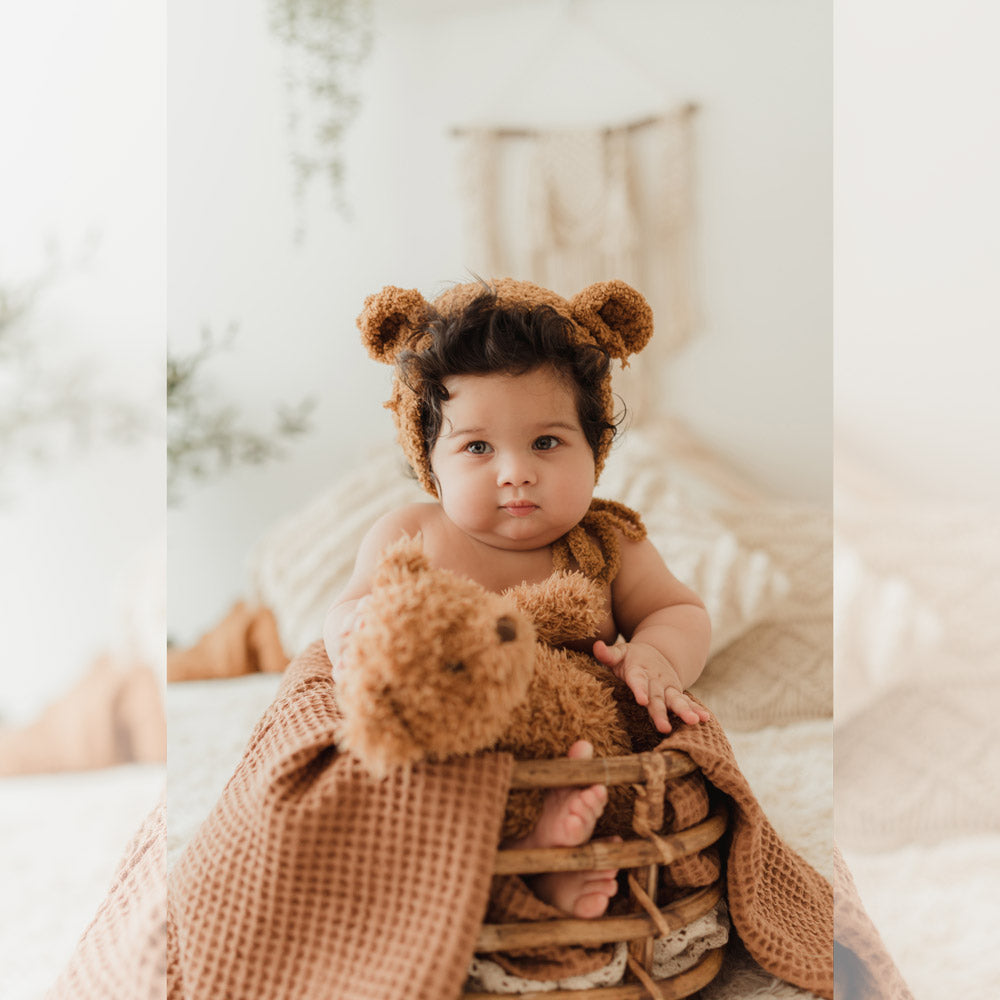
[(618, 317), (391, 320), (403, 558)]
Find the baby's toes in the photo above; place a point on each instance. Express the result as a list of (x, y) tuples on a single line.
[(591, 803), (595, 893), (584, 810), (590, 906), (595, 798)]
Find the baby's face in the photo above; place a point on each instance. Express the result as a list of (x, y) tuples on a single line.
[(513, 466)]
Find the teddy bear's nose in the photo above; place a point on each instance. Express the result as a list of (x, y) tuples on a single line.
[(506, 629)]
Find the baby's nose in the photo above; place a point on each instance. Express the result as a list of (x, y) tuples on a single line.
[(516, 472)]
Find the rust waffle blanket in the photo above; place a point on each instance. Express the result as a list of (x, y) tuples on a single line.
[(781, 907), (311, 880)]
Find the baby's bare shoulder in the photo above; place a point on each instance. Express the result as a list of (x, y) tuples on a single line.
[(410, 519)]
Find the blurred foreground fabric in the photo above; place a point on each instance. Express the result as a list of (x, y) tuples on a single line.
[(112, 715), (246, 641)]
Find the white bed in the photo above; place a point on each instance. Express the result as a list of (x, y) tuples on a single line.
[(63, 837), (917, 678), (762, 566)]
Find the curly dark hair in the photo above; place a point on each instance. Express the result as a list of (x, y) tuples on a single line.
[(485, 338)]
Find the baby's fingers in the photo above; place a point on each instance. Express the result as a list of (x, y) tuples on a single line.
[(610, 656), (638, 680), (682, 706), (658, 712)]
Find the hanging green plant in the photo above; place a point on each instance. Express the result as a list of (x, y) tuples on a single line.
[(326, 41), (205, 436)]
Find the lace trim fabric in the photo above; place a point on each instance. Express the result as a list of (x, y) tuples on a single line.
[(592, 546), (673, 954)]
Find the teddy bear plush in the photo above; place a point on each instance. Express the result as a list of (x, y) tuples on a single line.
[(442, 667)]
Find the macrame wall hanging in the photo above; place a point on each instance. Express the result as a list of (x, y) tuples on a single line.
[(567, 207)]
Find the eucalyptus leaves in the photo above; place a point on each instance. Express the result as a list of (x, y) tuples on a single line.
[(53, 402), (326, 42), (206, 436)]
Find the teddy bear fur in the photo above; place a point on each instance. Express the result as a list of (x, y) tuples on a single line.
[(442, 667)]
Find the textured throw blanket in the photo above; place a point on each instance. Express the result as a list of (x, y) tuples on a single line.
[(781, 907), (309, 879), (312, 880)]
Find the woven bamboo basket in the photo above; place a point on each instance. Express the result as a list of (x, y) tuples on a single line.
[(641, 857)]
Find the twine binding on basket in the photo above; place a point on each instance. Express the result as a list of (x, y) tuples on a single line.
[(648, 773)]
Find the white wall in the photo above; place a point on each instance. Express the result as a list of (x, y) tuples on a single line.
[(82, 154), (918, 256), (756, 383)]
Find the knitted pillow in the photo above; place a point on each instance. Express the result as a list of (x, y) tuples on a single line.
[(883, 628), (301, 565), (791, 651), (918, 689)]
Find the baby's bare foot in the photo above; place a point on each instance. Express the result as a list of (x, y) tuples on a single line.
[(581, 894), (568, 815), (568, 818)]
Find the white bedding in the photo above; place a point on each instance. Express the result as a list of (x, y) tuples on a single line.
[(917, 676), (937, 908), (62, 838)]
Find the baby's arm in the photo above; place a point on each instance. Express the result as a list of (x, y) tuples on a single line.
[(667, 631), (345, 612)]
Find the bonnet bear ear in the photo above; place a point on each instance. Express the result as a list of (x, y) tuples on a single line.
[(390, 321), (617, 316), (401, 560)]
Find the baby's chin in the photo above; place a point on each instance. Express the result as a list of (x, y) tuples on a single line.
[(521, 535)]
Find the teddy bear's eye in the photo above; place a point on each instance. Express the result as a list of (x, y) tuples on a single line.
[(454, 666), (506, 629)]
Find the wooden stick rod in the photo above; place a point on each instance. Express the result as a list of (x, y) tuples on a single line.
[(591, 933), (597, 855), (627, 770), (514, 132)]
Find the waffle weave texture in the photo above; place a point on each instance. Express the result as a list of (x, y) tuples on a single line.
[(312, 880), (780, 906), (122, 953)]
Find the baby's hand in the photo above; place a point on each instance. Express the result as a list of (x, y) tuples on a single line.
[(653, 681)]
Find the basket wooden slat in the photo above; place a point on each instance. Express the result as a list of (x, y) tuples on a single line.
[(684, 984), (600, 855), (642, 857), (591, 933), (626, 770)]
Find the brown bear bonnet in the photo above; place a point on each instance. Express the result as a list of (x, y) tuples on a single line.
[(609, 314)]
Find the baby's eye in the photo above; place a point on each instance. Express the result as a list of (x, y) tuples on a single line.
[(546, 442), (478, 448)]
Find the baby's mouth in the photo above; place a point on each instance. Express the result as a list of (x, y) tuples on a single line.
[(519, 508)]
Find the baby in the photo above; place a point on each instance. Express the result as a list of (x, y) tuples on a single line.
[(503, 403)]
